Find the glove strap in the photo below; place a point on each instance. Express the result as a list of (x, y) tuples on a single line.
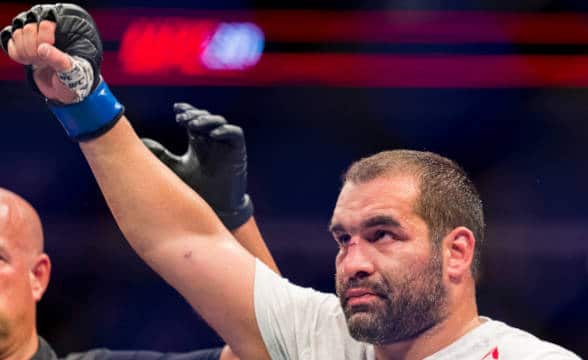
[(90, 118)]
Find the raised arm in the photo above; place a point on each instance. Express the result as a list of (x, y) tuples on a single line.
[(215, 166), (173, 229)]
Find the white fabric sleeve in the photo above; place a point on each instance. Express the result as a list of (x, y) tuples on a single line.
[(300, 323)]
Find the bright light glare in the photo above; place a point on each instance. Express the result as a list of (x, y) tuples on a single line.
[(234, 46), (190, 47)]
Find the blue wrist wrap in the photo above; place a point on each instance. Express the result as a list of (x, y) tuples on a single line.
[(90, 118)]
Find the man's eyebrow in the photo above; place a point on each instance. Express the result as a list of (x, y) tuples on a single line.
[(335, 227), (380, 220)]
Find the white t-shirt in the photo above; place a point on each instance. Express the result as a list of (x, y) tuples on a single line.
[(302, 323)]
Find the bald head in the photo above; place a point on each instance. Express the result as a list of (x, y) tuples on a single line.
[(20, 223), (24, 275)]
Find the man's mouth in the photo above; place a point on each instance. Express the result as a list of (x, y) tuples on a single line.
[(360, 296)]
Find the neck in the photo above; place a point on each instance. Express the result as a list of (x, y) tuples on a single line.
[(462, 319), (21, 349)]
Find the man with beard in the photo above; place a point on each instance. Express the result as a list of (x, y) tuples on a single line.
[(408, 225)]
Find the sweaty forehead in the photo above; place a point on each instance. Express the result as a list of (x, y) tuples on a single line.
[(392, 195)]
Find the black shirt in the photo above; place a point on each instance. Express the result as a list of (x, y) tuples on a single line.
[(45, 352)]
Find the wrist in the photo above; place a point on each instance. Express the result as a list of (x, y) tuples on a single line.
[(236, 217), (90, 118)]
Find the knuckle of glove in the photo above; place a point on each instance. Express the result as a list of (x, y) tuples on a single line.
[(33, 15), (234, 130), (5, 36), (19, 21)]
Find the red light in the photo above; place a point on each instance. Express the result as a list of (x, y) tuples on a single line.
[(400, 27), (368, 70), (165, 45)]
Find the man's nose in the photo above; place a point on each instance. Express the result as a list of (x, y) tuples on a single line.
[(357, 262)]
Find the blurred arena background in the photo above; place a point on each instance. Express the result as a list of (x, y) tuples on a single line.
[(499, 86)]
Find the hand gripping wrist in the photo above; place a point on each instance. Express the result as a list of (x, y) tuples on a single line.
[(236, 217), (90, 118)]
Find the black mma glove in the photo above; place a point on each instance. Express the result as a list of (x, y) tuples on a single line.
[(215, 165), (76, 34), (93, 110)]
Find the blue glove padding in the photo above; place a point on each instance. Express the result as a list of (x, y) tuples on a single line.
[(90, 118)]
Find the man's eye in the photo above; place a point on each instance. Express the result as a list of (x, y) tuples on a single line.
[(381, 234), (342, 239)]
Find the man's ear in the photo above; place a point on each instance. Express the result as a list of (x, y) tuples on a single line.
[(39, 275), (458, 248)]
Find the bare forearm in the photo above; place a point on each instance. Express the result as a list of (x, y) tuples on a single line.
[(148, 201), (178, 234), (168, 225)]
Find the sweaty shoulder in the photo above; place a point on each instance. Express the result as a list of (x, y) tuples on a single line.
[(495, 340)]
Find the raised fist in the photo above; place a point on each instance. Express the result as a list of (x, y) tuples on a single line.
[(60, 48)]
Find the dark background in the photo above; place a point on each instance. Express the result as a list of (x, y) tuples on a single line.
[(525, 148)]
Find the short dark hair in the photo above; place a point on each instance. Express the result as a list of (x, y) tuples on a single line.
[(447, 198)]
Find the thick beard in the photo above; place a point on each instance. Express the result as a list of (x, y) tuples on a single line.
[(407, 306)]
